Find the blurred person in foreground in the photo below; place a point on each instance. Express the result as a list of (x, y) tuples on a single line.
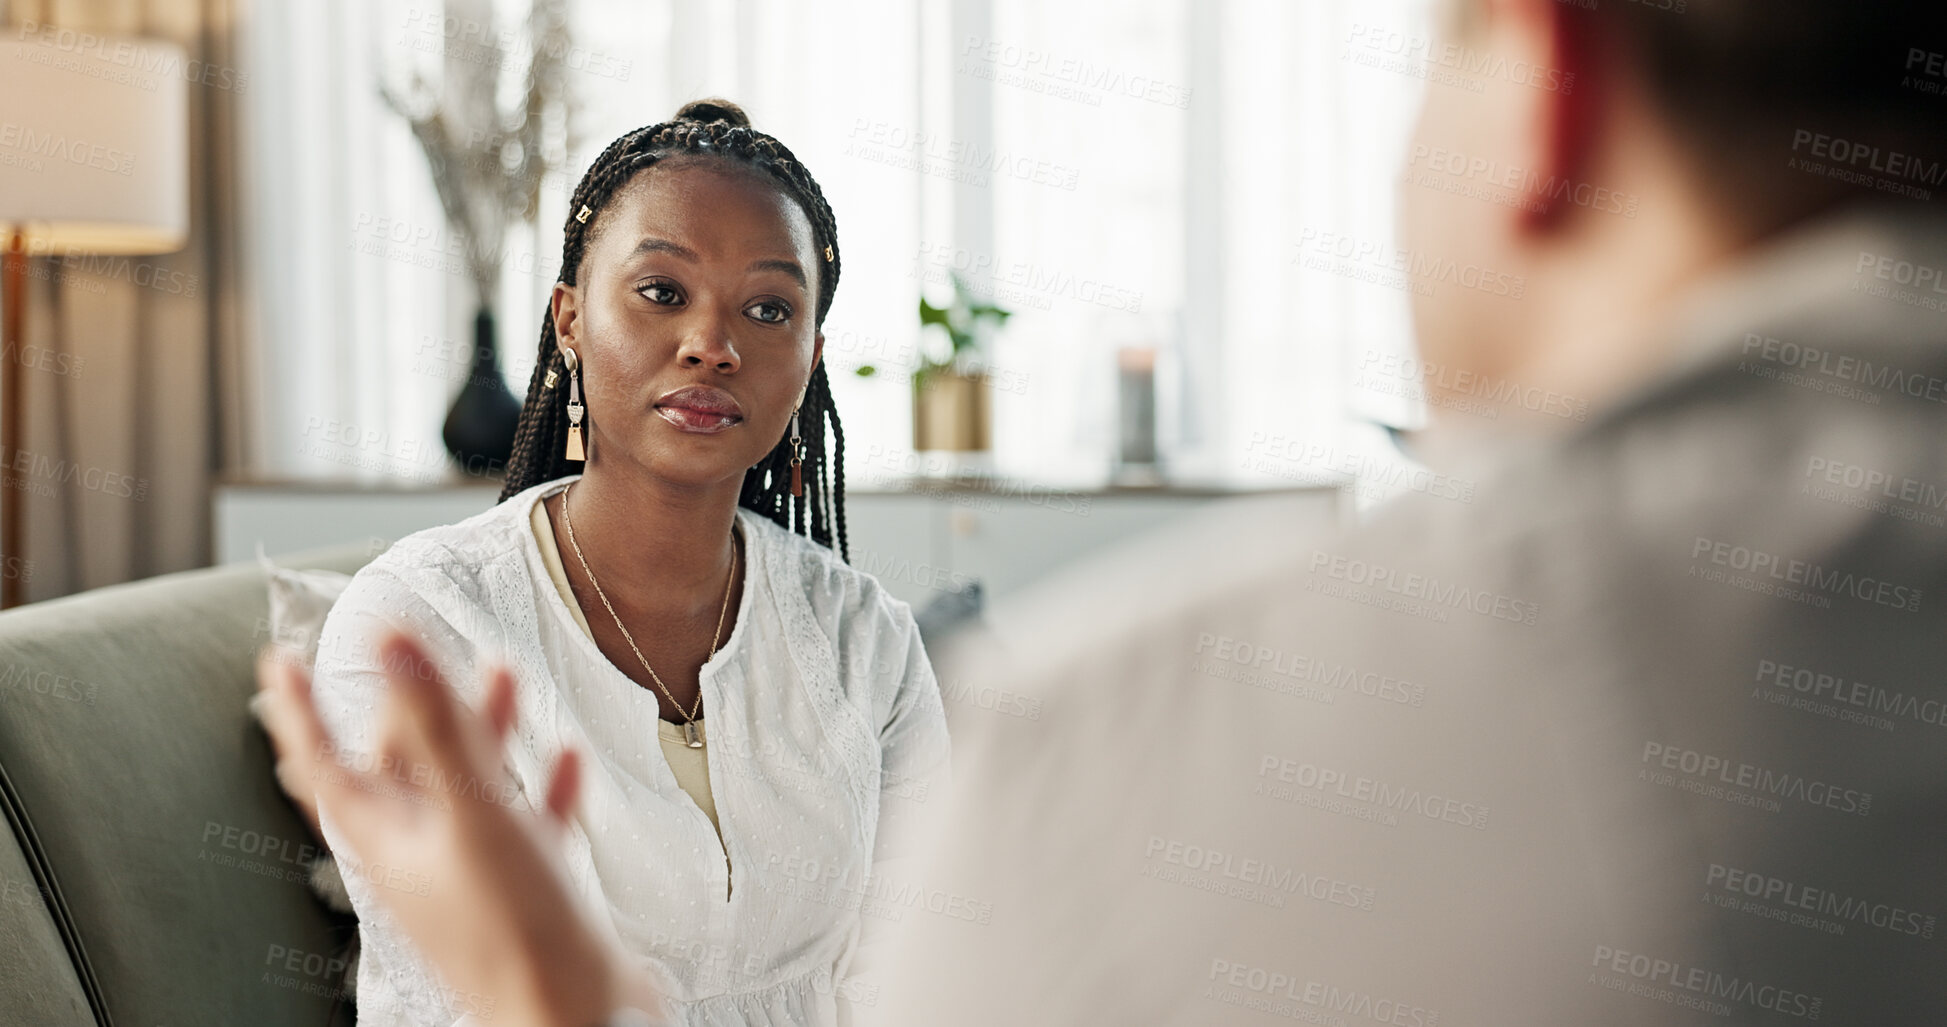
[(1641, 728)]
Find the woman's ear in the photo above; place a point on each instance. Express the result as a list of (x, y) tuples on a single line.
[(564, 306), (817, 354)]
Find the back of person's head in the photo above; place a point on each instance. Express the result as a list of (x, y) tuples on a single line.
[(1786, 105)]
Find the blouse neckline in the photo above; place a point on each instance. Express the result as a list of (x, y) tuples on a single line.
[(732, 646)]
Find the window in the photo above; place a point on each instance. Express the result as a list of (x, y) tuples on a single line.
[(1172, 174)]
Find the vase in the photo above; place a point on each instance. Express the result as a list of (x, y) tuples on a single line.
[(479, 429), (950, 412)]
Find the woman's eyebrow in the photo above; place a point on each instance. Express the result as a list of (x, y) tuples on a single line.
[(789, 267), (654, 245)]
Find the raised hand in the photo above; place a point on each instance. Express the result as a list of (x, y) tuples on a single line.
[(476, 883)]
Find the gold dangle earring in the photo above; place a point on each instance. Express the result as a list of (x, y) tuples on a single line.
[(575, 450)]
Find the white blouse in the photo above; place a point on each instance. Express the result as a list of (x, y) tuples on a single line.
[(825, 728)]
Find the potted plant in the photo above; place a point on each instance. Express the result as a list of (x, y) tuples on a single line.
[(950, 387)]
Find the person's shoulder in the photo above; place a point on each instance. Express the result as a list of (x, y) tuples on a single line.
[(459, 556), (827, 580), (873, 635), (1138, 610)]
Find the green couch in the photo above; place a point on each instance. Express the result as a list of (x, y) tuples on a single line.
[(152, 874)]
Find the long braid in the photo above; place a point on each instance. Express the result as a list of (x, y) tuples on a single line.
[(718, 129)]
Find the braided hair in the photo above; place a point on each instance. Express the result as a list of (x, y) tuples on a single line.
[(715, 129)]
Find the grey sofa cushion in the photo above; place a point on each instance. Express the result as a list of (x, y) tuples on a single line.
[(38, 984), (144, 816)]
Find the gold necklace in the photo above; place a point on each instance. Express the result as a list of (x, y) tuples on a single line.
[(690, 737)]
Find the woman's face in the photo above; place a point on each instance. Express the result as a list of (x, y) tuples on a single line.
[(694, 320)]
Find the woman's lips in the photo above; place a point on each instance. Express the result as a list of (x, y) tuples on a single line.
[(700, 409), (700, 421)]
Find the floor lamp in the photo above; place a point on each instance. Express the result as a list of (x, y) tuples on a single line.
[(94, 139)]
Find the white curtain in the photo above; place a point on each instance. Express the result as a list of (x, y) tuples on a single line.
[(1136, 173)]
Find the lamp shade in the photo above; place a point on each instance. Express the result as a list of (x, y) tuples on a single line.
[(94, 138)]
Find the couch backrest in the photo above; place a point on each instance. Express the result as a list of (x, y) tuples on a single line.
[(152, 873)]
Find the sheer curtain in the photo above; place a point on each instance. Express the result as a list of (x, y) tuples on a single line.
[(1217, 144), (1142, 173), (353, 282)]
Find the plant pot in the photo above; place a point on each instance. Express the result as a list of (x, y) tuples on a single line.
[(479, 429), (950, 412)]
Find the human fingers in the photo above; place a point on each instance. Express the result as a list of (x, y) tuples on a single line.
[(270, 704), (295, 714), (500, 705), (564, 788), (421, 723)]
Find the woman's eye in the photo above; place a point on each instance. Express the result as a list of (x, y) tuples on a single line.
[(660, 293), (769, 312)]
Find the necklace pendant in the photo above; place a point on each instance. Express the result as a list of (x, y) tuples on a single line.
[(690, 737)]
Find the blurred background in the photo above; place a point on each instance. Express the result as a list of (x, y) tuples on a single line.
[(1104, 262)]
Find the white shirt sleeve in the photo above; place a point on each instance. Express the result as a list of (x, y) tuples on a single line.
[(914, 769), (349, 686)]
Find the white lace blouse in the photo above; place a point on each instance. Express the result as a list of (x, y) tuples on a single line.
[(824, 727)]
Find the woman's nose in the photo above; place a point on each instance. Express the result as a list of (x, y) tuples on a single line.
[(707, 343)]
